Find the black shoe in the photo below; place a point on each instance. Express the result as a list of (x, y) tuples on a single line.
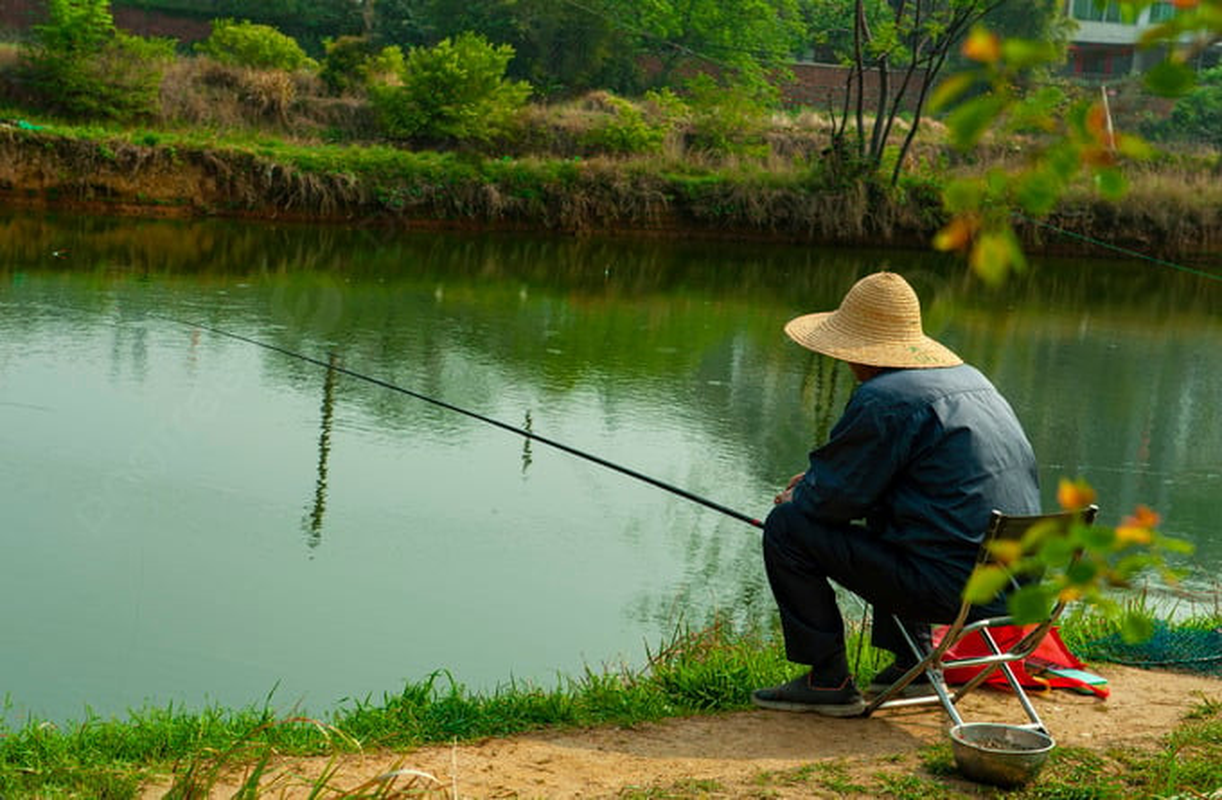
[(917, 687), (800, 694)]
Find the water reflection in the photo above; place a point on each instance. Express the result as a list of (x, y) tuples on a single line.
[(313, 521), (481, 553), (527, 458)]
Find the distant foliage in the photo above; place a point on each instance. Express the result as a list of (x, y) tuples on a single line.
[(454, 90), (247, 44), (82, 66), (728, 119), (386, 68), (634, 128), (344, 66), (1197, 116), (625, 130)]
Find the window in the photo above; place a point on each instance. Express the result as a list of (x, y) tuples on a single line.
[(1161, 12), (1097, 12)]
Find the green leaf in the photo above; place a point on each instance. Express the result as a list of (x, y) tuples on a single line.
[(1037, 191), (1082, 572), (1018, 259), (991, 257), (1031, 603), (1097, 537), (1170, 78), (1057, 550), (963, 195), (1026, 53), (1038, 110), (968, 122), (1173, 545), (1064, 161), (1111, 183), (1131, 565), (1136, 628), (1134, 147), (1040, 531), (985, 583), (950, 90)]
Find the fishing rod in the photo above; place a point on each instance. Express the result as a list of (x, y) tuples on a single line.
[(333, 366)]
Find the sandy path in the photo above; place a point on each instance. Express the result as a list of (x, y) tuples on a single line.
[(732, 750)]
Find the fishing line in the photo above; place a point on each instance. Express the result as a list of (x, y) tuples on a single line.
[(1123, 250), (336, 367)]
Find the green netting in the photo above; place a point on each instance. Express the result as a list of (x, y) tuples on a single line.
[(1198, 650)]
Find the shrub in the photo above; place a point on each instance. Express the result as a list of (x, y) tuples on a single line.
[(727, 119), (344, 66), (625, 130), (1197, 116), (453, 90), (636, 128), (246, 44), (80, 65), (386, 68)]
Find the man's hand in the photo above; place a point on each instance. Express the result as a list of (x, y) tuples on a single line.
[(787, 495)]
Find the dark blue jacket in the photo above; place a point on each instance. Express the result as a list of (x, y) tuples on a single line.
[(923, 455)]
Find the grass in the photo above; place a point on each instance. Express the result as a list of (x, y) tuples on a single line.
[(543, 177), (700, 671)]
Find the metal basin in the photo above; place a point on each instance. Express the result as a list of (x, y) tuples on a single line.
[(1003, 755)]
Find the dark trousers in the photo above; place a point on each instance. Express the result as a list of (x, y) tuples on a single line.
[(802, 555)]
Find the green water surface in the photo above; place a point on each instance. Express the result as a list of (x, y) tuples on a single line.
[(194, 519)]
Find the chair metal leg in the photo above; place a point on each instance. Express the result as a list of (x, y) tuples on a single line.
[(924, 664)]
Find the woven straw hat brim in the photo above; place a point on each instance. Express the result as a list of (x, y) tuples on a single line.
[(835, 334)]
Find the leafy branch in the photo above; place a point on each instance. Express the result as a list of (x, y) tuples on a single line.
[(1066, 561), (1064, 141)]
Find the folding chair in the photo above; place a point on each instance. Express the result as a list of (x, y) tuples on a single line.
[(1000, 527)]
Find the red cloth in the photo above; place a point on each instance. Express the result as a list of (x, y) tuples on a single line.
[(1031, 672)]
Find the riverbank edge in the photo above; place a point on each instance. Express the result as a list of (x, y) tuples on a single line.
[(48, 171), (697, 673)]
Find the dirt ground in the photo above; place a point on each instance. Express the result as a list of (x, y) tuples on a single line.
[(734, 754)]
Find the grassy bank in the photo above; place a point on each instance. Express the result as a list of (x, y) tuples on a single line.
[(259, 143), (695, 672), (160, 174), (1173, 209)]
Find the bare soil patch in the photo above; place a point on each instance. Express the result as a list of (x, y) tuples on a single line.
[(749, 753)]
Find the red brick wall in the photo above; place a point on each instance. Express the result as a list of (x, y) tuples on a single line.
[(17, 15), (20, 14), (821, 86), (155, 23)]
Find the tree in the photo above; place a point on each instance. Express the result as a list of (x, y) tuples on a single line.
[(558, 47), (747, 41), (83, 66), (454, 90), (895, 62), (1197, 116)]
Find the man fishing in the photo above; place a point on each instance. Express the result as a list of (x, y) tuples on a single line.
[(894, 506)]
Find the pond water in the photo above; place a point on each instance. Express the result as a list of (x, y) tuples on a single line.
[(195, 519)]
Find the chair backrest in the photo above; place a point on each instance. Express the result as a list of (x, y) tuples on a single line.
[(1009, 527), (1004, 527)]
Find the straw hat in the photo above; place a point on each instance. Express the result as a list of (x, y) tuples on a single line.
[(878, 324)]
